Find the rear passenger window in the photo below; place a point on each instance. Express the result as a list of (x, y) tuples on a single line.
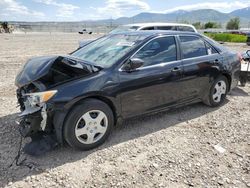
[(185, 28), (172, 28), (160, 50), (148, 28), (192, 47)]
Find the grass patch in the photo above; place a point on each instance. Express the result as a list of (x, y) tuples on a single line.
[(227, 37)]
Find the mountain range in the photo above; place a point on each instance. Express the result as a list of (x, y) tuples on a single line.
[(202, 15), (181, 16)]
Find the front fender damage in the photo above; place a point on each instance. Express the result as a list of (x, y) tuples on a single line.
[(40, 75)]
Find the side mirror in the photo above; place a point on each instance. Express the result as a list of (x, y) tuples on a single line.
[(248, 53), (133, 64), (136, 63)]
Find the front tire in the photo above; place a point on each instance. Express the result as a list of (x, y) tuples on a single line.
[(88, 125), (218, 92)]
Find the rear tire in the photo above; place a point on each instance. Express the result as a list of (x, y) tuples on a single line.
[(88, 125), (243, 81), (217, 93)]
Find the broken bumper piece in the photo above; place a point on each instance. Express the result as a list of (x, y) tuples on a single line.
[(33, 123), (32, 120), (30, 124)]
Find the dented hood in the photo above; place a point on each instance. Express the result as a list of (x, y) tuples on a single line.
[(38, 67)]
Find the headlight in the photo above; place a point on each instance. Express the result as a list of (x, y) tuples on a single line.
[(40, 97)]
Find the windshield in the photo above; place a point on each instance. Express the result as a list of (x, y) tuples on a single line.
[(124, 28), (108, 50)]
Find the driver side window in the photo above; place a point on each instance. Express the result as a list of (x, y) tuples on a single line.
[(159, 50)]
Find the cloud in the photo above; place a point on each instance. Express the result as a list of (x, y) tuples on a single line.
[(221, 6), (65, 10), (117, 8), (15, 9)]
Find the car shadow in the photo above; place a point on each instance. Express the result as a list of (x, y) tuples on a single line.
[(129, 130), (238, 92)]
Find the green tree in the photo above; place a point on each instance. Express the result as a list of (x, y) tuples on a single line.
[(233, 23), (198, 25), (209, 25)]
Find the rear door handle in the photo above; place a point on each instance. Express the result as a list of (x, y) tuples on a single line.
[(176, 69), (216, 62)]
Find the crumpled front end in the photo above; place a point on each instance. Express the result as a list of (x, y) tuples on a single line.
[(33, 118), (40, 95), (35, 121), (35, 84)]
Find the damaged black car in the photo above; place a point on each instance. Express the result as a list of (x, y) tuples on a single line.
[(78, 98)]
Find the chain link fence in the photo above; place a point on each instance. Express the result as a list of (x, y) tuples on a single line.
[(63, 27)]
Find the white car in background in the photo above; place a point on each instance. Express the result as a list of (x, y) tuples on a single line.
[(148, 26), (155, 26)]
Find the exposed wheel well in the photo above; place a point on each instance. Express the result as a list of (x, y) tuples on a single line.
[(229, 79)]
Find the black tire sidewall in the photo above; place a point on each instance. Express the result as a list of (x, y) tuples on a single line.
[(76, 113), (211, 100), (243, 81)]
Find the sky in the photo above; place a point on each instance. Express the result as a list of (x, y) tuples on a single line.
[(79, 10)]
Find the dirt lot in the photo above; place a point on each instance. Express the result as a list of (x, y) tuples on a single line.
[(171, 149)]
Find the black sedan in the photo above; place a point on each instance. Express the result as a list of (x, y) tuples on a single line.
[(81, 96)]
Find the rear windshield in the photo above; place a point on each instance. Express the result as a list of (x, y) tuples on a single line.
[(217, 45)]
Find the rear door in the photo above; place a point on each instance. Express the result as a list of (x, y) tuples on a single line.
[(156, 84), (201, 64)]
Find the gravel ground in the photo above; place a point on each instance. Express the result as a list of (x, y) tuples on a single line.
[(190, 146)]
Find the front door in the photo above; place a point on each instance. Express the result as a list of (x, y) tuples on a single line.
[(156, 84)]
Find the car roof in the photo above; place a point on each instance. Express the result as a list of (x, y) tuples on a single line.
[(158, 24)]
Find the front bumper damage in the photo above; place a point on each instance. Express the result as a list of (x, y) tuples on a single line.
[(32, 120), (41, 117), (37, 76)]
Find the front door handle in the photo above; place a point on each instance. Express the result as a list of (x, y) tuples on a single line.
[(176, 69)]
